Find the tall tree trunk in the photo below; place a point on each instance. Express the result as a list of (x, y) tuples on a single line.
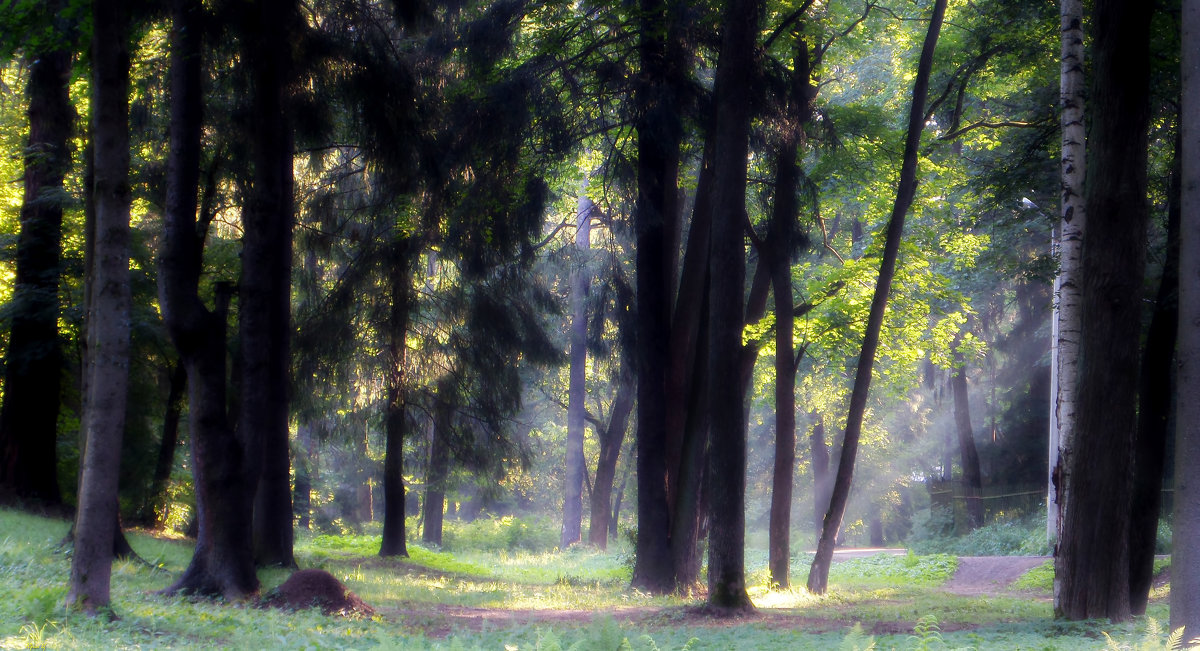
[(779, 259), (265, 288), (1068, 283), (1154, 410), (580, 280), (395, 418), (109, 314), (1092, 559), (659, 133), (688, 475), (439, 466), (223, 561), (818, 575), (822, 482), (732, 92), (968, 455), (1185, 554), (611, 440), (33, 363)]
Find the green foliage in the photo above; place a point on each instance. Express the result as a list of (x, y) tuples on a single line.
[(1155, 638), (856, 640), (415, 594), (507, 533), (1006, 537), (908, 569), (1039, 578)]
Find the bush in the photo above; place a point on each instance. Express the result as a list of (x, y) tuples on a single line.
[(508, 533), (1013, 537)]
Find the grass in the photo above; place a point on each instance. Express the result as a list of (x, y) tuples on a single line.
[(894, 600)]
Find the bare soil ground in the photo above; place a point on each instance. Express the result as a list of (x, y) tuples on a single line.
[(989, 575)]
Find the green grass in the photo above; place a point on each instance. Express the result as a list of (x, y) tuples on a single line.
[(895, 601)]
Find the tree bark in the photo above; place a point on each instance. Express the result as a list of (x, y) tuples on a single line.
[(968, 455), (265, 287), (1067, 283), (439, 466), (1154, 411), (726, 478), (1092, 559), (779, 258), (659, 133), (822, 482), (818, 575), (1185, 555), (395, 416), (611, 440), (223, 561), (33, 362), (394, 535), (579, 282), (109, 314)]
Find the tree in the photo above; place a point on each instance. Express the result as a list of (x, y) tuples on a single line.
[(658, 140), (33, 362), (1185, 566), (1092, 557), (395, 416), (264, 290), (223, 561), (818, 576), (1067, 283), (733, 93), (576, 392), (972, 477), (1154, 409), (109, 311)]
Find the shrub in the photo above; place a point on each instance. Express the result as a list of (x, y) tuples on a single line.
[(508, 533), (1013, 537)]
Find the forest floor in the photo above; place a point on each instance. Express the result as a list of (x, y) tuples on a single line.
[(976, 576), (476, 598)]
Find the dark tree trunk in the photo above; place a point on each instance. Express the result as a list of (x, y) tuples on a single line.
[(969, 456), (1092, 558), (108, 315), (822, 482), (727, 440), (264, 291), (615, 520), (166, 447), (1154, 411), (439, 467), (779, 543), (779, 258), (223, 561), (818, 575), (580, 281), (33, 363), (875, 525), (1185, 563), (394, 535), (611, 440), (688, 475), (659, 132)]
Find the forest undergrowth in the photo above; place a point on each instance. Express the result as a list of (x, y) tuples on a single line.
[(497, 597)]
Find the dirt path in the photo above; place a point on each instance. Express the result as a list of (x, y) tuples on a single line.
[(987, 575)]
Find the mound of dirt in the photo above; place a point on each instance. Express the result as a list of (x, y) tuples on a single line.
[(316, 589)]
